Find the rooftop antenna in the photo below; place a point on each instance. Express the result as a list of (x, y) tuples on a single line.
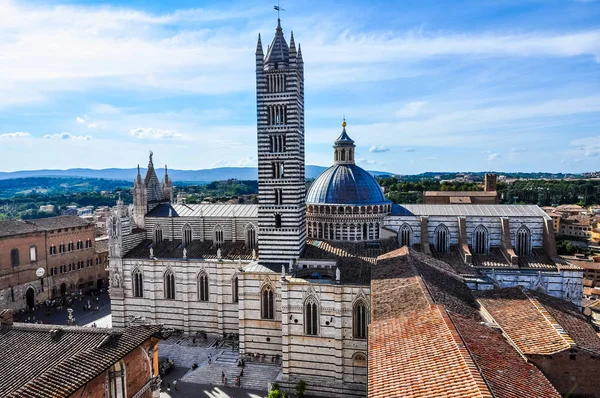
[(278, 8)]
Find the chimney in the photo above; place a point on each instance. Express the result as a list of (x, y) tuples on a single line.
[(6, 318), (490, 183)]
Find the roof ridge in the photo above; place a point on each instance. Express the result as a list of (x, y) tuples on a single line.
[(466, 355), (550, 319)]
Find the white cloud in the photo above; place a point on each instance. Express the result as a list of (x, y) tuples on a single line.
[(18, 134), (86, 121), (247, 161), (411, 109), (67, 136), (588, 146), (221, 163), (378, 148), (494, 156), (155, 134)]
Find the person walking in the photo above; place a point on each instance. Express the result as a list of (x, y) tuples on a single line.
[(175, 385), (168, 387), (222, 377)]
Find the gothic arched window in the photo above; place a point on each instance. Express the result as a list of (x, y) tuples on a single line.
[(219, 236), (186, 235), (267, 303), (234, 289), (480, 240), (359, 317), (405, 235), (311, 316), (523, 241), (442, 239), (203, 286), (169, 282), (117, 386), (158, 234), (137, 283), (250, 236)]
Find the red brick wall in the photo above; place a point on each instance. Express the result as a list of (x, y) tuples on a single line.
[(139, 370), (571, 376), (25, 272)]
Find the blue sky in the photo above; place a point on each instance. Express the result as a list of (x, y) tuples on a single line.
[(511, 85)]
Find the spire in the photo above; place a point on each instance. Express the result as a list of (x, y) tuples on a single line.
[(166, 172), (292, 45), (139, 175), (299, 52), (259, 47), (278, 54)]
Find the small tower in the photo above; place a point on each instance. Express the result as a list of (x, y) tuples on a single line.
[(140, 201), (343, 148), (154, 193), (167, 186)]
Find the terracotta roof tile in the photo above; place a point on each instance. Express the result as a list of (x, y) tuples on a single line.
[(37, 362), (531, 330)]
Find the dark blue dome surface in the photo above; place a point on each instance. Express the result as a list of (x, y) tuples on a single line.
[(345, 184)]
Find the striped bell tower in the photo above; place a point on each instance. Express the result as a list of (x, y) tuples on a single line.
[(280, 125)]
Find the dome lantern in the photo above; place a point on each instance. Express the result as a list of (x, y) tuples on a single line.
[(343, 148)]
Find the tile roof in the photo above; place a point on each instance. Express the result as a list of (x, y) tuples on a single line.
[(205, 210), (531, 328), (421, 355), (37, 362), (470, 210), (52, 223), (505, 371), (17, 227), (101, 245), (421, 349), (195, 250), (571, 319)]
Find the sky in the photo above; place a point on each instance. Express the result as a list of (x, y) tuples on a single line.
[(444, 85)]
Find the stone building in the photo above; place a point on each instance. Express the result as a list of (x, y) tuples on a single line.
[(22, 252), (72, 361), (488, 196), (64, 247), (291, 276)]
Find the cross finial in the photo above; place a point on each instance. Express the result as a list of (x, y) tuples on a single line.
[(278, 8)]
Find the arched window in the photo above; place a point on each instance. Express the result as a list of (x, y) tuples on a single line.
[(32, 254), (268, 303), (137, 283), (311, 316), (523, 241), (480, 240), (53, 249), (442, 241), (186, 235), (116, 381), (234, 289), (405, 235), (202, 286), (250, 236), (14, 258), (169, 281), (359, 360), (218, 236), (359, 316), (158, 234)]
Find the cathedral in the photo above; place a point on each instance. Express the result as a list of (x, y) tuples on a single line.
[(292, 275)]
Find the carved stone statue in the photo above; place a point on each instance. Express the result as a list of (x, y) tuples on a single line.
[(184, 253), (219, 253), (116, 279), (151, 252), (253, 254), (338, 275), (283, 272)]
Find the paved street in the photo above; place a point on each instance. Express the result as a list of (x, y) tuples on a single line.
[(59, 317), (193, 390)]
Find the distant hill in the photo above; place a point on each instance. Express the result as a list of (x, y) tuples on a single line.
[(205, 175)]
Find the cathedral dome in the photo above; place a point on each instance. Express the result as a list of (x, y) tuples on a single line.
[(345, 184)]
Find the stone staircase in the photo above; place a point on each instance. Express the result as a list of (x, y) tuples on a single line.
[(256, 377)]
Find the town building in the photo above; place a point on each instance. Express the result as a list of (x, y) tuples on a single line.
[(73, 361), (292, 276), (47, 208), (488, 196), (22, 253), (47, 258)]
